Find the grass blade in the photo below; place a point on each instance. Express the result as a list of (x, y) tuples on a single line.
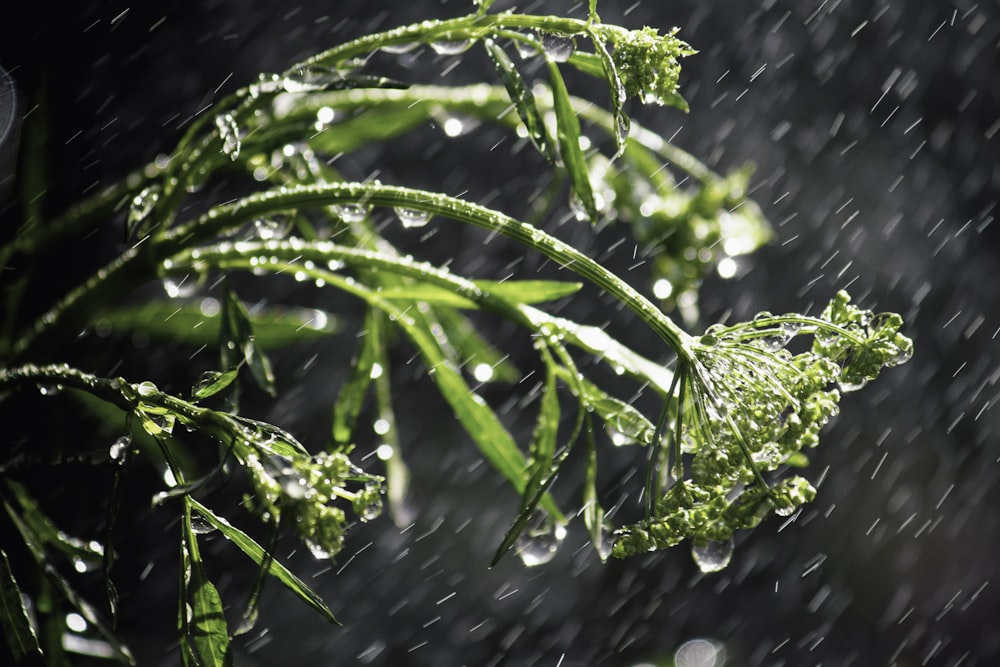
[(568, 134), (239, 344), (21, 639), (203, 623), (529, 291), (520, 94)]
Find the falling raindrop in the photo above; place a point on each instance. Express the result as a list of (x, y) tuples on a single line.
[(182, 287), (712, 556), (412, 217), (540, 540)]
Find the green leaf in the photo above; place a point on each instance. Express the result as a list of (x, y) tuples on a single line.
[(238, 343), (617, 414), (478, 419), (257, 554), (46, 533), (374, 124), (202, 619), (473, 348), (540, 467), (431, 294), (616, 90), (588, 63), (212, 382), (529, 291), (520, 94), (352, 393), (195, 324), (593, 513), (568, 134), (17, 630)]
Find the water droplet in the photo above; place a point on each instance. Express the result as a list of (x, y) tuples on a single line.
[(318, 552), (200, 525), (49, 389), (446, 47), (525, 49), (772, 342), (712, 556), (903, 355), (412, 217), (483, 372), (182, 287), (539, 541), (119, 448), (846, 386), (558, 47), (142, 206), (146, 388), (578, 208), (272, 229), (700, 653), (229, 132), (397, 49), (352, 212)]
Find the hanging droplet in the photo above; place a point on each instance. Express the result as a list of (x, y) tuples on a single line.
[(540, 540), (142, 206), (558, 47), (525, 49), (846, 386), (201, 526), (119, 448), (902, 355), (352, 212), (397, 49), (446, 47), (412, 217), (712, 556)]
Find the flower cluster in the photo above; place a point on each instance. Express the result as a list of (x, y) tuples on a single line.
[(747, 406)]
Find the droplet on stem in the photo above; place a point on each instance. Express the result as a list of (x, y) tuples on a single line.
[(712, 556)]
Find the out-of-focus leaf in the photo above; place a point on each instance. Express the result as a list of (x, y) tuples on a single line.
[(374, 124), (431, 294), (473, 348), (520, 94), (593, 513), (529, 291), (352, 393), (239, 344), (205, 636), (45, 532), (35, 543), (17, 630), (195, 323), (256, 553)]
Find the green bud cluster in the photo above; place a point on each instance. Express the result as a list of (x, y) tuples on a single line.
[(751, 407), (647, 63), (301, 490)]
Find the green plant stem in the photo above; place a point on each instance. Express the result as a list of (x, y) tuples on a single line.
[(119, 277)]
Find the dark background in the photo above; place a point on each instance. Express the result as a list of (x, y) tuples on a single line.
[(874, 128)]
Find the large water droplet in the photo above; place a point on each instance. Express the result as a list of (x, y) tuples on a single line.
[(446, 47), (558, 47), (200, 525), (712, 556), (412, 217), (397, 49), (901, 357), (540, 540)]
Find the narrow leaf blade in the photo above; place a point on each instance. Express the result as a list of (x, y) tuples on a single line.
[(568, 135), (17, 630), (520, 94), (256, 553)]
